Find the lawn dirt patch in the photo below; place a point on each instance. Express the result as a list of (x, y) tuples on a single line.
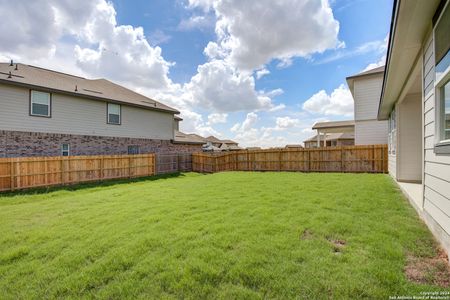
[(338, 245), (429, 270), (306, 235)]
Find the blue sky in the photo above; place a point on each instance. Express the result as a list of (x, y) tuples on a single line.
[(204, 57)]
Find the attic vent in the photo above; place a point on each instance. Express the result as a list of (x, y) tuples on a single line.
[(92, 91), (148, 102)]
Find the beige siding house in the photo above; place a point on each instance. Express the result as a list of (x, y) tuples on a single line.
[(48, 113), (366, 89), (415, 100)]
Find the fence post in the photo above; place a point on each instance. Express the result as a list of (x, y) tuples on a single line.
[(101, 167), (279, 160), (61, 166), (342, 159), (309, 160), (129, 166), (12, 173), (373, 158), (248, 162)]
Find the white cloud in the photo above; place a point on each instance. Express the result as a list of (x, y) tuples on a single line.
[(339, 102), (377, 64), (202, 22), (253, 33), (247, 125), (286, 122), (216, 118), (219, 87), (261, 73), (378, 46)]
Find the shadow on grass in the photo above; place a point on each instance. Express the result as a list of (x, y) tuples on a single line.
[(88, 185)]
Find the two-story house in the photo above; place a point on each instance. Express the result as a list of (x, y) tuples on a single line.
[(49, 113)]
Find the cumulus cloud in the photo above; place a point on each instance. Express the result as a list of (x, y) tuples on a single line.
[(217, 118), (219, 87), (253, 34), (247, 124), (286, 129), (286, 122), (339, 102), (261, 73)]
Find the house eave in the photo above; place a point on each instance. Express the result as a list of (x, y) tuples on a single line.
[(409, 25)]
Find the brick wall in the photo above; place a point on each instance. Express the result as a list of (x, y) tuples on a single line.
[(17, 144)]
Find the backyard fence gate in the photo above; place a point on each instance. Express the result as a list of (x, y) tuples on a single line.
[(173, 162)]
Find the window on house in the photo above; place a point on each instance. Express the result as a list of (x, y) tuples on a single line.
[(445, 111), (40, 103), (442, 43), (65, 149), (114, 114), (442, 80), (133, 149)]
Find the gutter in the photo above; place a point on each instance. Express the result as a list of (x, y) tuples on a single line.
[(395, 9)]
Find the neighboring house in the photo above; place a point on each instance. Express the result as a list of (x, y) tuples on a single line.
[(415, 99), (193, 139), (293, 146), (366, 90), (214, 141), (332, 140), (48, 113), (327, 134), (221, 145), (176, 122)]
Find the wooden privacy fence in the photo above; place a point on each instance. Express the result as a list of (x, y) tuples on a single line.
[(354, 159), (173, 162), (29, 172)]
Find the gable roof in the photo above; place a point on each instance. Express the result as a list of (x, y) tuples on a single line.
[(335, 124), (369, 73), (184, 138), (229, 142), (333, 136), (213, 139), (96, 89)]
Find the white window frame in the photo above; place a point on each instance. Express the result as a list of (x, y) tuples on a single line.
[(65, 151), (32, 101), (442, 145), (108, 114)]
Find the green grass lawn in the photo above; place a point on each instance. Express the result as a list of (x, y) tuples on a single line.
[(227, 235)]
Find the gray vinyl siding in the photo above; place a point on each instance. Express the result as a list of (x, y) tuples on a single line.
[(74, 115), (371, 132), (436, 167), (367, 92)]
